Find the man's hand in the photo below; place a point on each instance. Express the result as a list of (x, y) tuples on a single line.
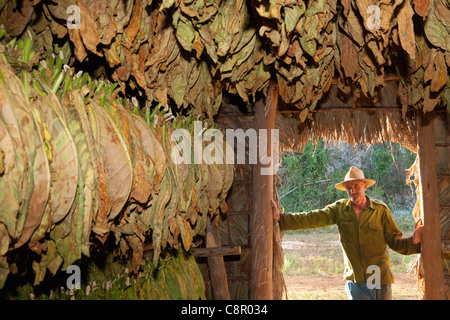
[(275, 213), (417, 235)]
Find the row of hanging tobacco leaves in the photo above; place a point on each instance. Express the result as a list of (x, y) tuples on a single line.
[(80, 166), (189, 51), (177, 278)]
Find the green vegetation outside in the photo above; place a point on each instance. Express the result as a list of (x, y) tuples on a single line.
[(307, 183), (308, 179)]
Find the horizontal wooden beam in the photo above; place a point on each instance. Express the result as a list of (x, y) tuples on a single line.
[(241, 181), (217, 251), (238, 213), (358, 108), (444, 145), (202, 252), (387, 77)]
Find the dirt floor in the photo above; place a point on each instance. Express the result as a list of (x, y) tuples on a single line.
[(323, 287), (313, 282)]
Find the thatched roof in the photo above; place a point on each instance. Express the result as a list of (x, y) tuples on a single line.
[(338, 118)]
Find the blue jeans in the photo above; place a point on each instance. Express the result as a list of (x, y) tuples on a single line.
[(356, 291)]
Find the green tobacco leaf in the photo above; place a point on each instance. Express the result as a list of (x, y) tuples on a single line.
[(436, 31), (64, 160), (291, 16), (102, 204), (87, 201), (185, 34), (316, 6), (308, 44)]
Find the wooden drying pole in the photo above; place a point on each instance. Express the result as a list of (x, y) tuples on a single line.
[(216, 265), (261, 237), (201, 252), (429, 201)]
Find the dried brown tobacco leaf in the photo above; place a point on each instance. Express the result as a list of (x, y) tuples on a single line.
[(152, 147), (135, 23), (143, 175), (16, 16), (88, 28), (421, 7), (115, 159), (32, 209), (348, 56), (80, 50), (268, 9), (122, 13), (112, 51), (185, 232), (439, 78), (406, 29), (352, 26), (200, 11), (10, 178)]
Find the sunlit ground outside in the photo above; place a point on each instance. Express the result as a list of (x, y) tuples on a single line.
[(313, 268)]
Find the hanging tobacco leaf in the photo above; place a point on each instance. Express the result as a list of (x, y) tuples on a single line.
[(11, 175), (435, 30), (100, 226), (115, 159), (33, 208), (63, 161), (406, 29)]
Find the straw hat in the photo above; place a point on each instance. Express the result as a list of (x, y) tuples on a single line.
[(354, 174)]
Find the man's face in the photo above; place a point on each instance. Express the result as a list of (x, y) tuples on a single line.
[(356, 190)]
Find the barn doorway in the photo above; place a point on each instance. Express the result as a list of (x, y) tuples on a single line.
[(313, 261), (382, 123)]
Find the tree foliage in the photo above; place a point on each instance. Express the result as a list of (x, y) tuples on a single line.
[(308, 180)]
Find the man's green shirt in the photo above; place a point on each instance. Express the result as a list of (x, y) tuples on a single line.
[(364, 242)]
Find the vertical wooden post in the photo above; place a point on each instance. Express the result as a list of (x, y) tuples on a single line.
[(216, 266), (261, 238), (431, 237)]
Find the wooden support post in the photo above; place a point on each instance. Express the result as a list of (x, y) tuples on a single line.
[(261, 237), (431, 237), (216, 266)]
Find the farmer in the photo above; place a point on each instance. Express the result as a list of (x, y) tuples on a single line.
[(366, 228)]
